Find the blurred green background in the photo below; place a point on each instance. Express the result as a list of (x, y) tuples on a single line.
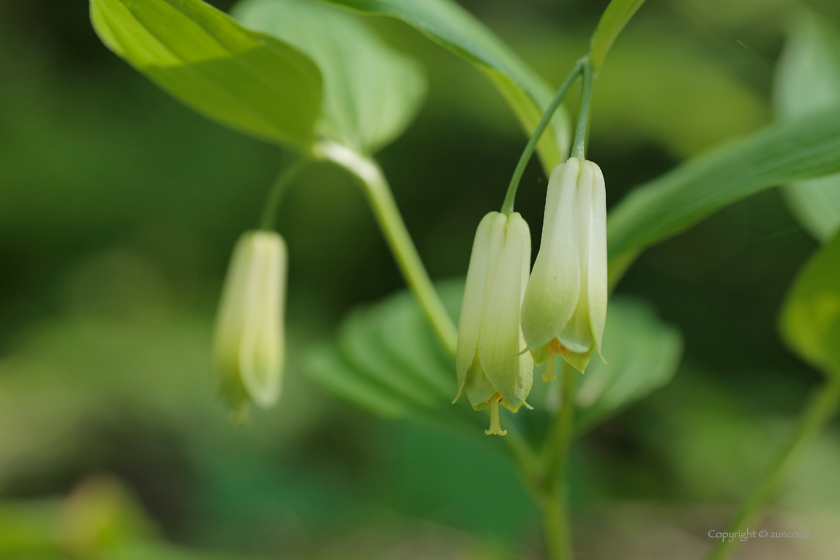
[(118, 211)]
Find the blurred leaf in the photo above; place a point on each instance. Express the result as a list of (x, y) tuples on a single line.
[(642, 355), (816, 204), (249, 81), (801, 149), (387, 361), (728, 16), (161, 551), (97, 519), (27, 529), (371, 92), (681, 98), (334, 373), (37, 529), (615, 17), (366, 343), (452, 27), (810, 321), (709, 437), (102, 515), (808, 81), (808, 75)]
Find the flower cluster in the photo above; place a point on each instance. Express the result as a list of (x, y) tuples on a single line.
[(511, 317), (510, 321)]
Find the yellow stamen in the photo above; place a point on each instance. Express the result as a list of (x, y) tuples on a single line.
[(555, 347), (548, 374), (495, 427)]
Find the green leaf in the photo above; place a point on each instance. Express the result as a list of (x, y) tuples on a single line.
[(642, 354), (387, 361), (808, 81), (782, 153), (246, 80), (615, 17), (452, 27), (328, 367), (810, 320), (371, 92)]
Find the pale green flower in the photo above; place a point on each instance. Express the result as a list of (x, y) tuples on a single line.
[(565, 304), (490, 363), (248, 347)]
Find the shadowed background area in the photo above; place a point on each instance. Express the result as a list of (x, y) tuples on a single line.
[(118, 211)]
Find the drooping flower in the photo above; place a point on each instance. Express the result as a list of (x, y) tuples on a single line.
[(248, 346), (565, 306), (491, 365)]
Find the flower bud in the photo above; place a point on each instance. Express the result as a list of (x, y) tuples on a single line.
[(248, 347), (490, 363), (565, 304)]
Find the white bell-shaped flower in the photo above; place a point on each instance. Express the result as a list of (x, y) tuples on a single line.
[(565, 304), (490, 363), (248, 347)]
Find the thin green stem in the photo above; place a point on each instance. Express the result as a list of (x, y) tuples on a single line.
[(553, 494), (275, 195), (820, 409), (396, 234), (559, 440), (507, 206), (579, 146), (558, 541)]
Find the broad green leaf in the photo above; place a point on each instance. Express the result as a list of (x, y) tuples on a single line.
[(810, 320), (782, 153), (808, 81), (371, 92), (452, 27), (334, 373), (361, 343), (615, 17), (388, 361), (642, 355), (246, 80)]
